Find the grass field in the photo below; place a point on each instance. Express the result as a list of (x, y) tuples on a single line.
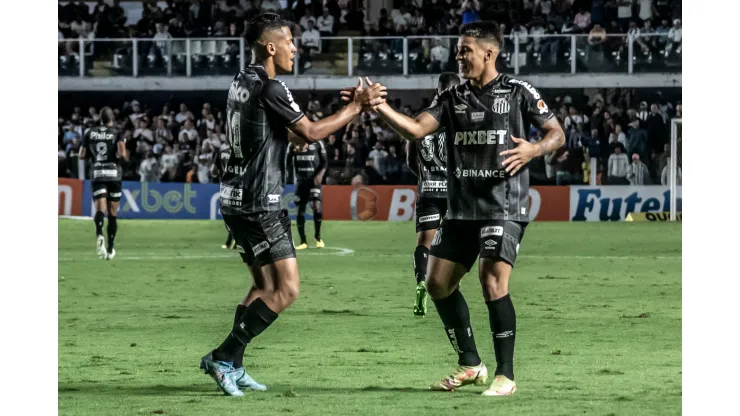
[(598, 312)]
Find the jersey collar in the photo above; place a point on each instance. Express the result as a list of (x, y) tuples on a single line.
[(488, 86)]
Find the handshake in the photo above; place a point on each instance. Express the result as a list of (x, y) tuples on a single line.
[(365, 97)]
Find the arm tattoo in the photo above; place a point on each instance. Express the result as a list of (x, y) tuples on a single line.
[(553, 140)]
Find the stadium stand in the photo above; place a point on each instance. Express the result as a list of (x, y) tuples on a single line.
[(179, 144)]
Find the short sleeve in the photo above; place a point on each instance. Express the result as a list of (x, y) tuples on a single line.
[(534, 109), (436, 108), (278, 100)]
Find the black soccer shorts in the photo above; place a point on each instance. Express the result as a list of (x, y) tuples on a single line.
[(306, 191), (107, 189), (262, 238), (461, 241), (429, 213)]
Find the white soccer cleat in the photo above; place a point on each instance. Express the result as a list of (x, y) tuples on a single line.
[(101, 247), (111, 255)]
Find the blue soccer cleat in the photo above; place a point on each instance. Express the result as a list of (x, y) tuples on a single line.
[(244, 381), (222, 372)]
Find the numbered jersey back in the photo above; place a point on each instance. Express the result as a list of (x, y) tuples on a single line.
[(102, 145), (258, 112)]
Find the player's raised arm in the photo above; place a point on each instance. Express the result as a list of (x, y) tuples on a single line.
[(315, 131), (407, 127)]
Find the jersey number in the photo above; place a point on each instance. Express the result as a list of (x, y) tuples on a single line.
[(234, 133), (101, 152)]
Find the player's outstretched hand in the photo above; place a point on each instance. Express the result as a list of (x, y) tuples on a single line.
[(370, 97), (519, 156)]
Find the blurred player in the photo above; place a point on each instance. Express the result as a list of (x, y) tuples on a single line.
[(309, 163), (259, 108), (486, 120), (219, 165), (107, 148), (427, 159)]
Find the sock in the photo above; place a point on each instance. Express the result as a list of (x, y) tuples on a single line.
[(229, 239), (317, 217), (503, 329), (99, 218), (238, 360), (112, 228), (255, 319), (301, 221), (456, 318), (421, 255)]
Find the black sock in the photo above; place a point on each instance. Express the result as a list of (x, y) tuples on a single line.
[(229, 239), (317, 217), (112, 228), (256, 318), (99, 218), (238, 360), (421, 255), (503, 329), (456, 318), (301, 222)]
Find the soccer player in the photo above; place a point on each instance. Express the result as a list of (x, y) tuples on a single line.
[(427, 159), (486, 120), (219, 165), (258, 110), (308, 162), (107, 148)]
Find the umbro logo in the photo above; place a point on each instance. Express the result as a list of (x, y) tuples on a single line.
[(460, 107), (504, 334), (490, 244)]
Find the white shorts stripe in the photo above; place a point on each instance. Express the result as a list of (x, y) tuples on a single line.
[(99, 191), (115, 194)]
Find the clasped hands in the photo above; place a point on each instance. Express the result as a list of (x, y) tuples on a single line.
[(365, 97)]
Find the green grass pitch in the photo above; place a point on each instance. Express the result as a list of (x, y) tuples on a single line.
[(598, 312)]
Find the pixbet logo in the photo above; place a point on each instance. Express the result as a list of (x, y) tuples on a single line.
[(150, 200)]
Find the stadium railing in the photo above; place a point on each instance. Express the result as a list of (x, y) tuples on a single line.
[(348, 56)]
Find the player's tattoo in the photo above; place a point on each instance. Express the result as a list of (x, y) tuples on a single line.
[(553, 140)]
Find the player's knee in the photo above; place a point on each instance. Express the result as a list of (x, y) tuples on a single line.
[(438, 286), (495, 284)]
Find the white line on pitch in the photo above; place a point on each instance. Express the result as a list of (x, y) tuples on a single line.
[(327, 251)]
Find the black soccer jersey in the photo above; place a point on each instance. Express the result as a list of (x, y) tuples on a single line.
[(101, 143), (431, 158), (479, 124), (258, 111), (307, 163)]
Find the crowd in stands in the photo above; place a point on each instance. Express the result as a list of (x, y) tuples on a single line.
[(629, 137), (532, 21)]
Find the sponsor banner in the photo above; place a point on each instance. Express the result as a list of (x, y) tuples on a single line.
[(146, 200), (398, 203), (651, 217), (69, 192), (613, 203)]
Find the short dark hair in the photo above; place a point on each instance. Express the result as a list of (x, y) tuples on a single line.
[(447, 80), (106, 116), (262, 24), (484, 29)]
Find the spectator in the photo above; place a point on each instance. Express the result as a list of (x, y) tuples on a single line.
[(664, 176), (162, 134), (205, 162), (624, 12), (393, 165), (270, 6), (308, 17), (470, 9), (149, 170), (143, 133), (656, 129), (183, 114), (536, 33), (574, 118), (188, 136), (643, 113), (674, 38), (646, 9), (440, 56), (621, 137), (618, 164), (638, 173), (662, 158), (637, 139), (310, 41), (576, 138), (379, 155), (582, 20), (161, 42)]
